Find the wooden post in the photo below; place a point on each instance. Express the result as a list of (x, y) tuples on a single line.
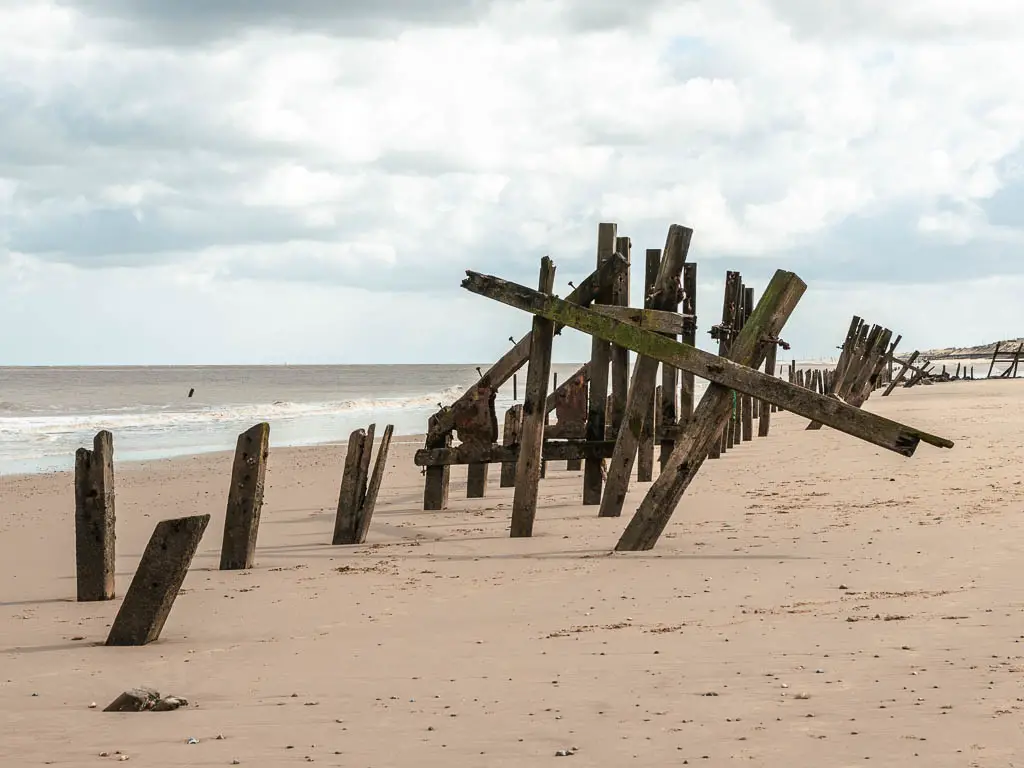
[(157, 580), (689, 337), (476, 481), (671, 409), (746, 401), (531, 444), (764, 422), (620, 355), (353, 487), (435, 489), (245, 499), (667, 288), (94, 519), (776, 305), (645, 451), (992, 365), (510, 437), (725, 331), (600, 359), (369, 502)]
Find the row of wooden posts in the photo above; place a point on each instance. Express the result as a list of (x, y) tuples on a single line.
[(587, 430), (173, 544)]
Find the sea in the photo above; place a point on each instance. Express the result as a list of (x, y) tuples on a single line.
[(46, 414)]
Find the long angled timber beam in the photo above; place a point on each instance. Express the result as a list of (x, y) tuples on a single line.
[(649, 319), (584, 294), (834, 413)]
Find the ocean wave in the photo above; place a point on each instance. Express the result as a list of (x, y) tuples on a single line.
[(163, 418)]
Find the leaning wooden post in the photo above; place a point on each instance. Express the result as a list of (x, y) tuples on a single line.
[(600, 359), (156, 583), (510, 437), (992, 365), (357, 455), (94, 519), (531, 443), (764, 422), (748, 349), (666, 296), (369, 501), (245, 499)]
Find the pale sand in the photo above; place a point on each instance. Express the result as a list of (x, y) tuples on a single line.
[(444, 643)]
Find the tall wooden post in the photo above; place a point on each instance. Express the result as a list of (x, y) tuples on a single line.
[(531, 444), (689, 337), (641, 389), (765, 415), (725, 331), (94, 519), (435, 489), (620, 355), (600, 359), (645, 451), (245, 499), (746, 401)]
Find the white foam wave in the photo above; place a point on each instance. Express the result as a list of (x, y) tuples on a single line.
[(169, 418)]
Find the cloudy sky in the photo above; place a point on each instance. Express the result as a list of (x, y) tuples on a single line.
[(306, 181)]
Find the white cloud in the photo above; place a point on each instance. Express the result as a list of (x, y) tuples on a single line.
[(345, 150)]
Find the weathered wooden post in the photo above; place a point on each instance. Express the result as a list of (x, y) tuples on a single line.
[(531, 443), (361, 524), (94, 519), (645, 450), (746, 401), (689, 336), (764, 422), (245, 498), (723, 333), (667, 290), (510, 437), (620, 355), (600, 360), (156, 583), (435, 489), (995, 354), (353, 483)]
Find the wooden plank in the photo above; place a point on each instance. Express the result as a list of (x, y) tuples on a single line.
[(553, 450), (600, 361), (748, 348), (157, 581), (531, 442), (834, 413), (510, 440), (657, 320), (350, 497), (645, 450), (620, 355), (765, 415), (583, 294), (245, 499), (95, 533), (373, 489), (667, 293)]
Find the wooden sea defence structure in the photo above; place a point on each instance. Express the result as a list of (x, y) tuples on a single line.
[(611, 423)]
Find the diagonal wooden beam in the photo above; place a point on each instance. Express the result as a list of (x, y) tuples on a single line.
[(863, 424), (906, 365), (584, 294)]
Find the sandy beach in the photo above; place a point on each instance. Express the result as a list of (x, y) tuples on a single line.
[(815, 601)]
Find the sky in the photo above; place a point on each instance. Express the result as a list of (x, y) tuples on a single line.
[(306, 182)]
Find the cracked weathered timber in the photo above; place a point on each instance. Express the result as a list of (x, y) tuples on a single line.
[(865, 425), (645, 450), (95, 533), (362, 523), (667, 287), (245, 499), (843, 365), (747, 348), (531, 440), (684, 412), (157, 581), (510, 440)]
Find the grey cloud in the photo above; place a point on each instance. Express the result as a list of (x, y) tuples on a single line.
[(201, 22)]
